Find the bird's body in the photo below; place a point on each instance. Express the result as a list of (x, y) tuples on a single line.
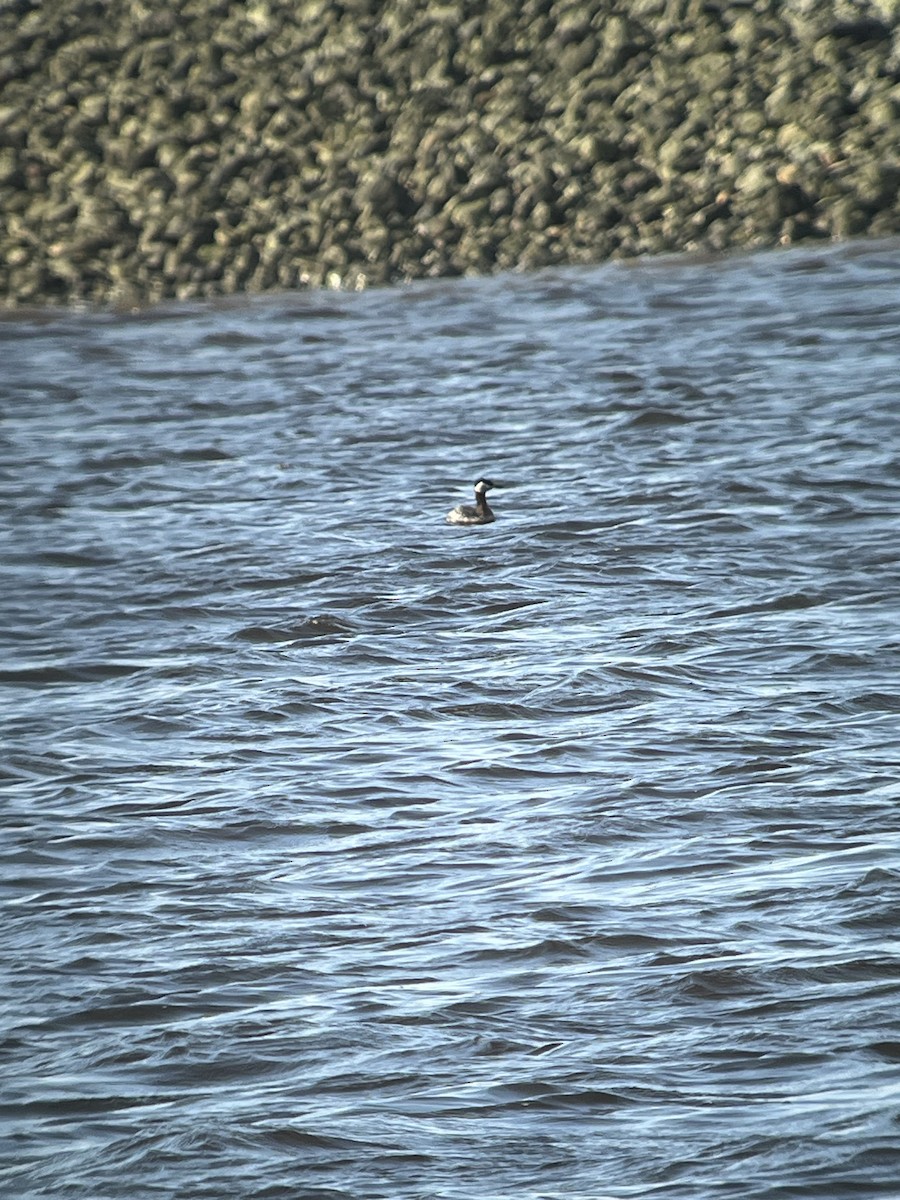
[(478, 513)]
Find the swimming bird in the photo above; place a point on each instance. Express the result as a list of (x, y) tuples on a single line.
[(478, 513)]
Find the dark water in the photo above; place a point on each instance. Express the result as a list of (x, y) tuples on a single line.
[(348, 854)]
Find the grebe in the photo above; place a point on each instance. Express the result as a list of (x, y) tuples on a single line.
[(477, 514)]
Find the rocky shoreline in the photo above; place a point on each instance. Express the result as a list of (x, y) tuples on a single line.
[(205, 147)]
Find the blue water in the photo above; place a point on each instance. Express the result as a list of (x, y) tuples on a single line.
[(350, 854)]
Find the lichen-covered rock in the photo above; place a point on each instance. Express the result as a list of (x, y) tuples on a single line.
[(203, 147)]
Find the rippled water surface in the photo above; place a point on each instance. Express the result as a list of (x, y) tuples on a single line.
[(347, 854)]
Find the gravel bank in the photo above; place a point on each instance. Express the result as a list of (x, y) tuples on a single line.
[(204, 147)]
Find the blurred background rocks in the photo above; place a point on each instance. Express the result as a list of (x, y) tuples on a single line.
[(206, 147)]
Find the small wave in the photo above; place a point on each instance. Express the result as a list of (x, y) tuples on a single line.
[(75, 673), (308, 630), (786, 602)]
